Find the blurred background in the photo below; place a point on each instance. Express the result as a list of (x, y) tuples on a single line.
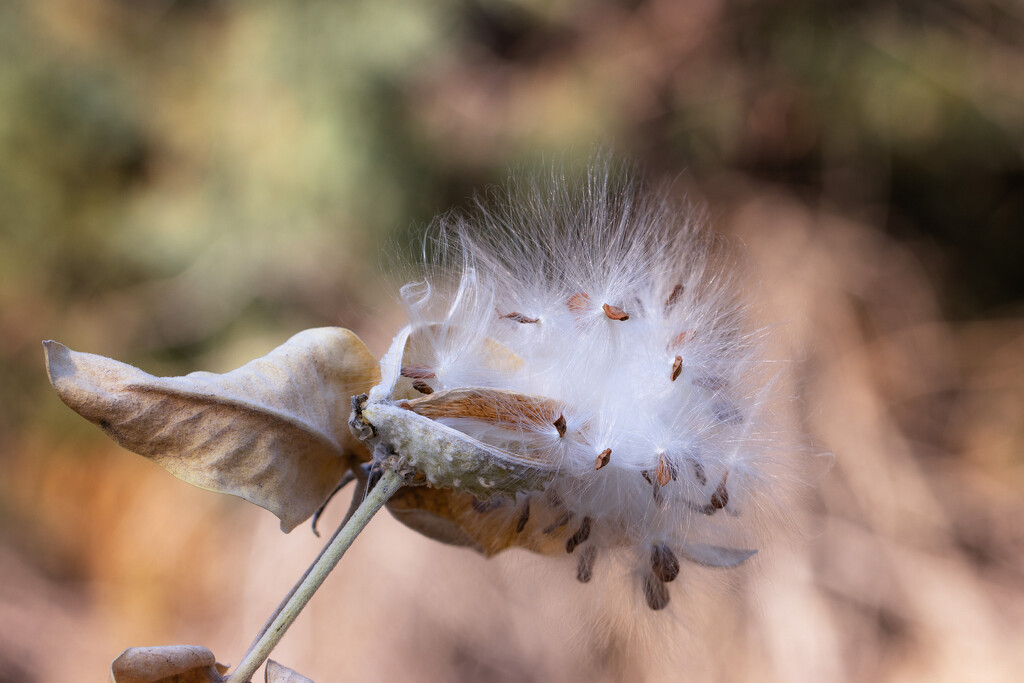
[(186, 183)]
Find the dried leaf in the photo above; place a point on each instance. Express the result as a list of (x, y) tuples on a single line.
[(273, 432), (172, 664), (275, 673)]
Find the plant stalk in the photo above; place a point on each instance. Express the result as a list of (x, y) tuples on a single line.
[(389, 482)]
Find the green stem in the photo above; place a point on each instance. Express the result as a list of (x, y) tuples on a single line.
[(390, 482)]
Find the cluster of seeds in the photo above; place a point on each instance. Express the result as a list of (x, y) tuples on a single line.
[(596, 331)]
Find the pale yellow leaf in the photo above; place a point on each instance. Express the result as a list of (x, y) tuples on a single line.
[(172, 664), (274, 432), (275, 673)]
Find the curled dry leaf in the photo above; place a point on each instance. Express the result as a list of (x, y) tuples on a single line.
[(273, 432), (172, 664), (275, 673)]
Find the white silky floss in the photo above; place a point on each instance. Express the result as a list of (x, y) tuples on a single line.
[(585, 348)]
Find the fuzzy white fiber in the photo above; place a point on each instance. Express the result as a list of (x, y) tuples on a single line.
[(614, 303)]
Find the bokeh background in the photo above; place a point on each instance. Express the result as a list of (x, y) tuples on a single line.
[(186, 183)]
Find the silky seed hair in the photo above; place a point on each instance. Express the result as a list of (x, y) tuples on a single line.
[(621, 317)]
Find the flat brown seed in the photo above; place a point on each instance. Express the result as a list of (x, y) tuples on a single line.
[(578, 538), (558, 523), (614, 312), (579, 302), (677, 367), (699, 473), (585, 563), (560, 425), (720, 498), (664, 563), (677, 292), (664, 471), (603, 458), (678, 340), (417, 372), (422, 387), (519, 318), (655, 592), (524, 517)]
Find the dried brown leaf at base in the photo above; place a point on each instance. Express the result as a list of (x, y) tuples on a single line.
[(172, 664), (273, 432), (275, 673)]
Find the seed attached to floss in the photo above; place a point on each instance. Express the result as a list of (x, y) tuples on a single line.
[(422, 387), (519, 318), (664, 563), (677, 292), (585, 563), (665, 470), (560, 425), (720, 498), (417, 372), (603, 458), (558, 523), (581, 535), (678, 340), (677, 367), (699, 473), (614, 312), (655, 592), (579, 302)]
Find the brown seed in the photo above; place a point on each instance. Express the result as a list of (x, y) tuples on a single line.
[(417, 372), (524, 517), (699, 473), (519, 318), (579, 302), (720, 498), (677, 292), (664, 563), (422, 387), (560, 425), (585, 563), (655, 486), (581, 535), (614, 312), (603, 458), (655, 592), (677, 367), (558, 523), (664, 471), (678, 340)]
